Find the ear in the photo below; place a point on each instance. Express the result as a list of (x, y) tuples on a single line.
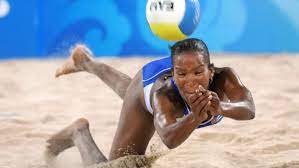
[(211, 72)]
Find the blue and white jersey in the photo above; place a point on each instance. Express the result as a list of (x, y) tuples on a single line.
[(151, 72)]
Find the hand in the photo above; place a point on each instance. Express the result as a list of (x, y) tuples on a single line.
[(215, 108), (199, 103)]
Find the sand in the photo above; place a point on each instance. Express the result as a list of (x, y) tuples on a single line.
[(34, 105)]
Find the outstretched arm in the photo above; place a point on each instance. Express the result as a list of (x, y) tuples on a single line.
[(240, 105)]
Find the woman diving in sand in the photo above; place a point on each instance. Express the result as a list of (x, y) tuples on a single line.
[(173, 96)]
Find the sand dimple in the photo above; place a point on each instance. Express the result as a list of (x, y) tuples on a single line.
[(34, 105)]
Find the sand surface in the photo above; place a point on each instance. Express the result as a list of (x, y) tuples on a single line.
[(34, 105)]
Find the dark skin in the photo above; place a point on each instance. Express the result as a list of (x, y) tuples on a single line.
[(208, 91), (192, 75)]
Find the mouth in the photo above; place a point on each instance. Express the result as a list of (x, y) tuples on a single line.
[(192, 92), (189, 92)]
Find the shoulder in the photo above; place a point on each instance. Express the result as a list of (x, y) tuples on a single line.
[(227, 80), (227, 76), (164, 98), (224, 71), (163, 88)]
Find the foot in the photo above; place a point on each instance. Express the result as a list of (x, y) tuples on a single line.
[(80, 55), (64, 139)]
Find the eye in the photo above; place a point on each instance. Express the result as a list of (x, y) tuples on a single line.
[(198, 73), (181, 74)]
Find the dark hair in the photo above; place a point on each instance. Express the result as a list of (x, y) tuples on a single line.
[(191, 44)]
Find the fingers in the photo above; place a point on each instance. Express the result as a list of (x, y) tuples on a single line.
[(215, 95), (201, 89), (200, 99), (215, 104), (202, 105), (203, 100), (215, 99), (203, 115), (198, 92), (205, 104), (206, 107), (194, 97)]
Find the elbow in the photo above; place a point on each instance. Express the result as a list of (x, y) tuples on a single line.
[(252, 112), (251, 115), (170, 144), (170, 141), (169, 136)]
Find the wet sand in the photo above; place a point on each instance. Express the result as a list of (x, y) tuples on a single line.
[(34, 105)]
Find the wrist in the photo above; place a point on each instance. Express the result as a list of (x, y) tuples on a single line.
[(194, 118), (197, 119)]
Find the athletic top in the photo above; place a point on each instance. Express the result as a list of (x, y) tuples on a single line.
[(151, 72)]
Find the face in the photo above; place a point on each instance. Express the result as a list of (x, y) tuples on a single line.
[(190, 72)]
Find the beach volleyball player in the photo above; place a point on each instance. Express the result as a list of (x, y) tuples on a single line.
[(173, 96)]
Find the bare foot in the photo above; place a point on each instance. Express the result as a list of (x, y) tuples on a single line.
[(80, 55), (64, 139)]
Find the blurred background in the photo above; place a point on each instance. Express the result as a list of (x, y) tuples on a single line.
[(259, 39), (43, 28)]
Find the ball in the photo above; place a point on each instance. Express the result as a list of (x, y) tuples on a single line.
[(172, 20)]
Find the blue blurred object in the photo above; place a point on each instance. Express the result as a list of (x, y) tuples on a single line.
[(36, 28)]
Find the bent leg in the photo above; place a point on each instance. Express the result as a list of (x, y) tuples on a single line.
[(115, 79), (77, 134), (81, 60)]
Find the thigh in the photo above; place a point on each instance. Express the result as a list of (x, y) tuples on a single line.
[(135, 127)]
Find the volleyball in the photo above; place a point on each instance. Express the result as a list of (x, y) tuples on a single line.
[(172, 20)]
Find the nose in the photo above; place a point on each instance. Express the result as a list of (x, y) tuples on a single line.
[(191, 85)]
